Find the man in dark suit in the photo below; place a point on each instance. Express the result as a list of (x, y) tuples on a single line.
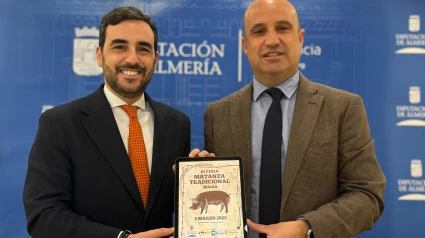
[(82, 180), (329, 181)]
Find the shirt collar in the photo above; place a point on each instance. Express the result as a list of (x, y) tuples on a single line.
[(115, 101), (288, 87)]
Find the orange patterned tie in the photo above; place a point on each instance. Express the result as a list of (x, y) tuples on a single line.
[(137, 153)]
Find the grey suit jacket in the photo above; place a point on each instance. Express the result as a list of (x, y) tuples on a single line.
[(331, 175)]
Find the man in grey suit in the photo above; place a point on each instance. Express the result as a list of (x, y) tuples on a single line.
[(332, 185)]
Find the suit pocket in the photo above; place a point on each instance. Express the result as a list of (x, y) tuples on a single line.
[(322, 143)]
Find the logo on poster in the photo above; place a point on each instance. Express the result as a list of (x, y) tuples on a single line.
[(414, 188), (413, 114), (215, 232), (84, 59), (411, 43)]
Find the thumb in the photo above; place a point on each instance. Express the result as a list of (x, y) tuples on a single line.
[(166, 231), (257, 227), (161, 232)]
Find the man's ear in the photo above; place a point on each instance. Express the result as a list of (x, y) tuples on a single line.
[(244, 45), (301, 36), (156, 59), (99, 57)]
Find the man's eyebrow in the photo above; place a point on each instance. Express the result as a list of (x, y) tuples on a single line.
[(118, 41), (286, 22), (256, 26), (139, 43), (144, 43)]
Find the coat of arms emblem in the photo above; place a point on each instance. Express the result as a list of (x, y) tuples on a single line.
[(84, 59)]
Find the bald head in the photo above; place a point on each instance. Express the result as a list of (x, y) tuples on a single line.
[(272, 40), (262, 6)]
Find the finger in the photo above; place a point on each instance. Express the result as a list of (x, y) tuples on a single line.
[(257, 227), (174, 168), (161, 232), (204, 153), (167, 231), (194, 153), (212, 155)]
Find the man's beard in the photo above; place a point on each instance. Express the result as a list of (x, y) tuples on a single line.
[(130, 93)]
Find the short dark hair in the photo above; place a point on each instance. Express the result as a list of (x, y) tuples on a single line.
[(120, 14)]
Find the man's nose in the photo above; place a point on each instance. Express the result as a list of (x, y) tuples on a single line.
[(132, 56), (272, 39)]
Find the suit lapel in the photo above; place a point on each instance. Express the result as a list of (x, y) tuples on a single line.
[(240, 121), (99, 122), (163, 131), (306, 112)]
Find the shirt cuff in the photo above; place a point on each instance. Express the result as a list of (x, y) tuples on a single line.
[(304, 219)]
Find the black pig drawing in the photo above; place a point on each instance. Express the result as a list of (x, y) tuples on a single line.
[(210, 197)]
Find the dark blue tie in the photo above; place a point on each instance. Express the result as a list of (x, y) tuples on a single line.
[(270, 173)]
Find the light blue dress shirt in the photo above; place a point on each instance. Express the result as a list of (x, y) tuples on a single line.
[(260, 105)]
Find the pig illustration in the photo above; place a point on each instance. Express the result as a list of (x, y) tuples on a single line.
[(210, 197)]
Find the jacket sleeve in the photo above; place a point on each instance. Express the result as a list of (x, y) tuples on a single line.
[(361, 182), (47, 194), (208, 136)]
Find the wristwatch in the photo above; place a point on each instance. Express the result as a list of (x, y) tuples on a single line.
[(125, 234), (309, 234)]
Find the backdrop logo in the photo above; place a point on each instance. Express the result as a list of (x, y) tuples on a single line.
[(415, 95), (84, 59), (309, 50), (190, 58), (413, 189), (411, 43), (413, 114), (414, 23), (416, 168)]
